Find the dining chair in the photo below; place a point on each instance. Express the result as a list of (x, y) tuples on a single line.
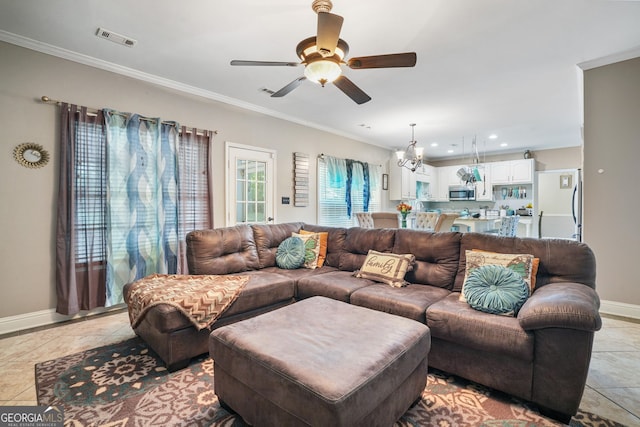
[(508, 226), (364, 219), (445, 222), (385, 220), (426, 220)]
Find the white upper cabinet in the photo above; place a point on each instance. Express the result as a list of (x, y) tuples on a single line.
[(402, 182), (484, 189), (512, 172)]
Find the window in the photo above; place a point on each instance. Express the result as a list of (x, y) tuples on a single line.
[(332, 208), (90, 196)]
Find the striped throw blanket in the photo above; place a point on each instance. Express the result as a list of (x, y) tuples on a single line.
[(201, 298)]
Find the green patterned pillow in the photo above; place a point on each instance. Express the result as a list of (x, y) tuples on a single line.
[(311, 249), (496, 289), (290, 253)]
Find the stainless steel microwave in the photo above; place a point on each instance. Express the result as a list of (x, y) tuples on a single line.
[(461, 192)]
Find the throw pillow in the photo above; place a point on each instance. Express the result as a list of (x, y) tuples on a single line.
[(520, 263), (290, 253), (324, 238), (386, 268), (311, 249), (534, 269), (496, 289)]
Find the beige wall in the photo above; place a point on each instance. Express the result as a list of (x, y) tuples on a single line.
[(27, 211), (611, 160), (558, 158)]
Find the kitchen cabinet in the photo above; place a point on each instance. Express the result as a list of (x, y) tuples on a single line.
[(484, 189), (402, 183), (426, 183), (447, 175), (512, 172)]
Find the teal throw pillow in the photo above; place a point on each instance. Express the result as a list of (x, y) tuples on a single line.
[(496, 289), (290, 253)]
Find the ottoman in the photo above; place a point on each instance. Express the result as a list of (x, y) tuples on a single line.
[(320, 362)]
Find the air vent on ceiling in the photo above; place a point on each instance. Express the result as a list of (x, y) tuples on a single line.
[(115, 37)]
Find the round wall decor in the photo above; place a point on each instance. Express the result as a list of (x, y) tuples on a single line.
[(31, 155)]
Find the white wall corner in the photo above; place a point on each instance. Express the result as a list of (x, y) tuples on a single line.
[(620, 309)]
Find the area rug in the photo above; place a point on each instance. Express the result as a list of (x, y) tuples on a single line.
[(126, 384)]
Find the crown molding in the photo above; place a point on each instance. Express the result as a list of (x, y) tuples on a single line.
[(69, 55), (610, 59)]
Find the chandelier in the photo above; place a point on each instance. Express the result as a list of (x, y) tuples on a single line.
[(411, 158)]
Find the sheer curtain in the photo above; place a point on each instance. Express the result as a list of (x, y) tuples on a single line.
[(194, 192), (141, 200), (81, 211)]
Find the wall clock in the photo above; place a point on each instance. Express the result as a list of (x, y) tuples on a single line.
[(31, 155)]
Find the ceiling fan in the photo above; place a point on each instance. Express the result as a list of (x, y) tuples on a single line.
[(323, 55)]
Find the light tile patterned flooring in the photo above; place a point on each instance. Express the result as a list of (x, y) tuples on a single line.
[(613, 385)]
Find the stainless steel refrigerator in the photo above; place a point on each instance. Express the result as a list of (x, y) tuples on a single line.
[(558, 204)]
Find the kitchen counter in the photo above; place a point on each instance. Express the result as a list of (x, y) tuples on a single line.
[(484, 224)]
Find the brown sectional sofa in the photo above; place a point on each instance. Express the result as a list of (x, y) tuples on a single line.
[(542, 355)]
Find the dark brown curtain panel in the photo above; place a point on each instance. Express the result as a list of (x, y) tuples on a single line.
[(81, 222)]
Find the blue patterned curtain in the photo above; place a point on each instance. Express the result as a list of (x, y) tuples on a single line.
[(337, 171), (141, 199), (357, 179)]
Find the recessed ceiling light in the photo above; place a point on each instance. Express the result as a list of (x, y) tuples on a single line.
[(504, 144), (434, 144), (493, 136), (450, 150)]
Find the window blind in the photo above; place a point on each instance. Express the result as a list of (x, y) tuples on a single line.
[(332, 208)]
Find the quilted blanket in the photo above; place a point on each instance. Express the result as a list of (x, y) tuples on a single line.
[(201, 298)]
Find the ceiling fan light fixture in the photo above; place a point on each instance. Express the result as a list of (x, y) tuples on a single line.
[(323, 71)]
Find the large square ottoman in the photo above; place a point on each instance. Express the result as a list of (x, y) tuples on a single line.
[(320, 362)]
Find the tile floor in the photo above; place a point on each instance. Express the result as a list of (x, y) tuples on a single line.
[(613, 385)]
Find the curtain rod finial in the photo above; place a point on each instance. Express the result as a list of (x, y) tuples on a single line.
[(45, 98)]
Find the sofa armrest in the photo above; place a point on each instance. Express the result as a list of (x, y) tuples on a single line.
[(561, 305)]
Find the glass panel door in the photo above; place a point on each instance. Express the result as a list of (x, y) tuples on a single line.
[(251, 177)]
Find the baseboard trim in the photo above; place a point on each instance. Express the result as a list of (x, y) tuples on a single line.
[(37, 319), (620, 309)]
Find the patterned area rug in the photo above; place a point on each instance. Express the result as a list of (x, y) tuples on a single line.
[(126, 384)]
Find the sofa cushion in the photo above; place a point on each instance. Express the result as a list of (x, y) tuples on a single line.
[(386, 268), (522, 264), (268, 237), (410, 301), (290, 253), (335, 242), (222, 251), (323, 237), (299, 273), (311, 243), (560, 260), (454, 321), (358, 243), (496, 289), (437, 256), (337, 285)]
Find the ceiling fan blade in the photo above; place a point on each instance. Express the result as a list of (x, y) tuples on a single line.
[(288, 88), (329, 26), (351, 90), (267, 63), (384, 61)]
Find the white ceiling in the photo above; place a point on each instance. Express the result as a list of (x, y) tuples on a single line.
[(504, 67)]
